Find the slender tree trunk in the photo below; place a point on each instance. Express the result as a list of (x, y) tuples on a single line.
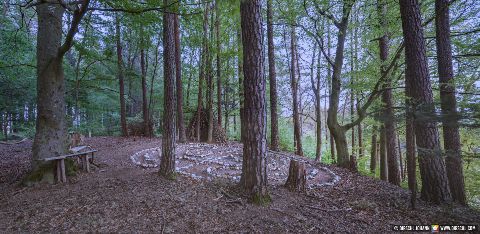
[(167, 163), (373, 152), (154, 74), (391, 141), (318, 108), (219, 66), (400, 158), (410, 152), (123, 114), (209, 67), (294, 84), (254, 170), (435, 186), (178, 78), (360, 139), (146, 121), (383, 155), (240, 82), (337, 130), (451, 135), (273, 80)]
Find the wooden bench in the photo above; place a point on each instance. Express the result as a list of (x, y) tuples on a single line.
[(60, 163)]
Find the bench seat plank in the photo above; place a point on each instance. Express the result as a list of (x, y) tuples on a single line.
[(68, 155)]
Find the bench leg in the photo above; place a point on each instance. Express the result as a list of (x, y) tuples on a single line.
[(86, 164), (59, 171), (62, 168)]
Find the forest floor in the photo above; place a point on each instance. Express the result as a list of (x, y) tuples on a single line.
[(120, 196)]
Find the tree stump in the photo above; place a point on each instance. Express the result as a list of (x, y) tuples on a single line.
[(297, 178), (353, 163)]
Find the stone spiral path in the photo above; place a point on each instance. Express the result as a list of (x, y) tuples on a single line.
[(209, 161)]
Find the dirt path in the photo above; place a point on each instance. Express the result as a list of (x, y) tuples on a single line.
[(122, 197)]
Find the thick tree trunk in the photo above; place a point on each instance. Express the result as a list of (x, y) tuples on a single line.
[(254, 170), (451, 135), (167, 162), (50, 135), (373, 151), (388, 115), (123, 114), (209, 73), (219, 65), (274, 142), (203, 61), (178, 84), (383, 155), (435, 186), (297, 177), (294, 85)]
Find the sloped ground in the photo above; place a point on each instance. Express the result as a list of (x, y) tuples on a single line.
[(119, 196)]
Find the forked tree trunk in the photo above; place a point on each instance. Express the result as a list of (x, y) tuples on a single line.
[(274, 142), (390, 135), (254, 169), (178, 83), (167, 162), (451, 135), (123, 113), (435, 186)]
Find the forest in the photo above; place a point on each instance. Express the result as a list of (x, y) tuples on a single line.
[(239, 115)]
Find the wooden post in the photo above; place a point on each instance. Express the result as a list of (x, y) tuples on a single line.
[(297, 178), (87, 164), (59, 171), (62, 168)]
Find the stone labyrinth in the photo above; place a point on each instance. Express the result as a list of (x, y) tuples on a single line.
[(208, 161)]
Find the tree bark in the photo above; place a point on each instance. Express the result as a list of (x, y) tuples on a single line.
[(435, 186), (410, 152), (203, 60), (373, 152), (219, 65), (297, 178), (383, 155), (254, 170), (167, 162), (178, 78), (388, 115), (240, 82), (318, 111), (123, 113), (209, 73), (451, 135), (274, 142), (338, 131), (294, 85), (146, 121)]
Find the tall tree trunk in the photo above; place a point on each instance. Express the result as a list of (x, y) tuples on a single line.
[(318, 108), (435, 186), (373, 152), (391, 141), (209, 73), (338, 131), (383, 155), (167, 163), (294, 85), (123, 114), (146, 119), (451, 135), (360, 139), (329, 88), (274, 142), (51, 134), (254, 170), (179, 87), (240, 82), (410, 152), (402, 171), (219, 66), (203, 61)]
